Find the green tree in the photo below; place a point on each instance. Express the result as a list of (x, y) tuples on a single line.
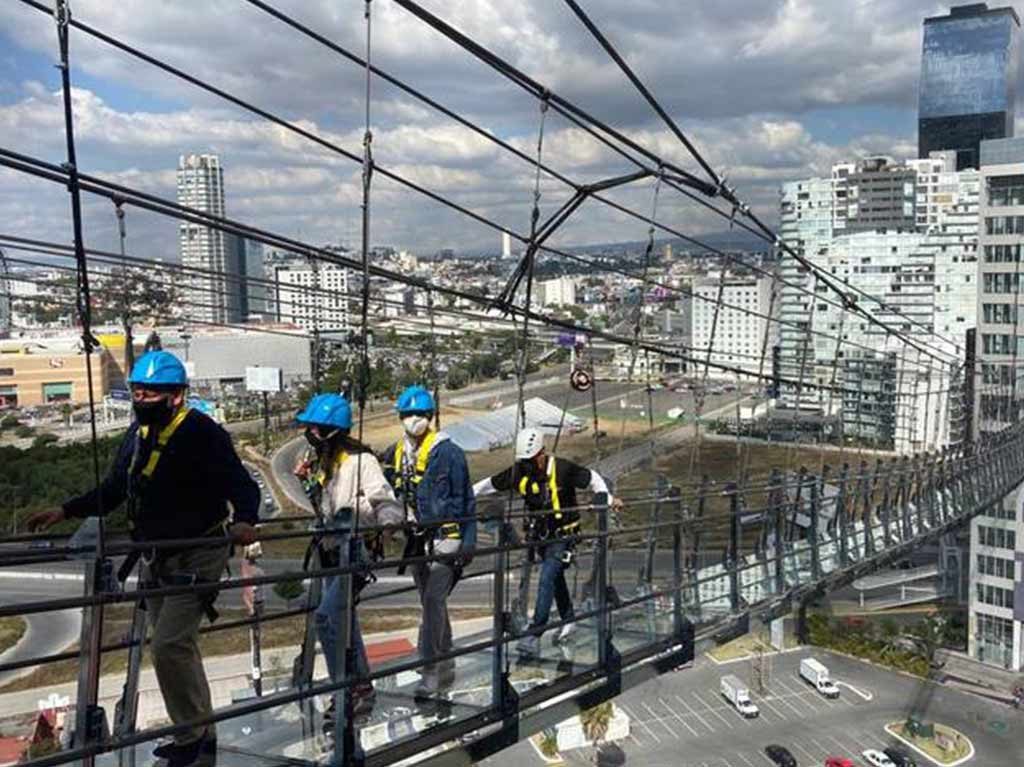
[(596, 720)]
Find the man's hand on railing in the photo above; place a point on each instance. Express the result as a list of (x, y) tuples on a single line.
[(45, 519), (243, 533)]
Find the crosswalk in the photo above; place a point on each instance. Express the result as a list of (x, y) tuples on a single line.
[(670, 720)]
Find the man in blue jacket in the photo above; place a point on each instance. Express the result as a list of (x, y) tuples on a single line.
[(430, 476), (181, 478)]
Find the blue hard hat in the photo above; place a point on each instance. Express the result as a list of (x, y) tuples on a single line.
[(158, 368), (415, 399), (327, 410)]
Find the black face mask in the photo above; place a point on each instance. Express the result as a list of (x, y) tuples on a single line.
[(319, 443), (527, 467), (156, 413)]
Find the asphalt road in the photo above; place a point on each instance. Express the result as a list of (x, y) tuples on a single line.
[(681, 720)]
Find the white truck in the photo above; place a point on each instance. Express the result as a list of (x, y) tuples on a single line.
[(816, 674), (734, 691)]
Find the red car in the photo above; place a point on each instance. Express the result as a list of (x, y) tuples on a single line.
[(838, 761)]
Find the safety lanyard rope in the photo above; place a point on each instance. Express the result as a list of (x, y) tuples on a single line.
[(433, 377), (364, 363)]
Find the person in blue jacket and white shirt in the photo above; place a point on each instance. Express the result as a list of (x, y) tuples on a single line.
[(431, 478)]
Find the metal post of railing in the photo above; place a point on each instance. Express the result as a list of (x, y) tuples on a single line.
[(345, 745), (778, 504), (842, 530), (90, 719), (903, 492), (675, 511), (799, 499), (868, 511), (931, 461), (607, 656), (126, 711), (812, 533), (499, 678), (886, 504), (733, 554)]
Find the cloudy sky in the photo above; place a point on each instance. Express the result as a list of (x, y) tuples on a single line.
[(769, 90)]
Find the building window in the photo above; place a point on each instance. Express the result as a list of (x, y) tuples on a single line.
[(6, 372), (995, 596), (997, 537), (997, 566), (57, 392), (1006, 190)]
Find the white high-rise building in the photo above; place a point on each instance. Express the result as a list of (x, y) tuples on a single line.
[(217, 296), (506, 245), (559, 292), (737, 336), (312, 298), (996, 605), (903, 237)]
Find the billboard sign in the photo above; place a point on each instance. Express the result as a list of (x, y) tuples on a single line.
[(263, 379)]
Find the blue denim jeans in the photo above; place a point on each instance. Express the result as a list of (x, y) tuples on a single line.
[(328, 618), (552, 586)]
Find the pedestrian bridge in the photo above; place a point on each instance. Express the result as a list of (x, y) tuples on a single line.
[(644, 608)]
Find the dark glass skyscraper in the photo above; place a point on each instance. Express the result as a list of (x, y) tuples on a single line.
[(969, 69)]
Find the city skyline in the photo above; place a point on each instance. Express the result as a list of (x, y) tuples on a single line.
[(784, 119)]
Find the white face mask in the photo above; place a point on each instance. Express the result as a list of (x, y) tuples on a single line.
[(415, 425)]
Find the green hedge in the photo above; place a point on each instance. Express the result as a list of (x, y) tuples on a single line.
[(859, 641)]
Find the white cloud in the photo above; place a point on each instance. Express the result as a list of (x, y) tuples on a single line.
[(741, 77)]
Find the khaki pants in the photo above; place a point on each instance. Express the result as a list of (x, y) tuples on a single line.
[(174, 641)]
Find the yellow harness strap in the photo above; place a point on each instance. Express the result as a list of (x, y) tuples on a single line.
[(449, 529), (525, 484), (422, 454), (161, 441), (321, 476)]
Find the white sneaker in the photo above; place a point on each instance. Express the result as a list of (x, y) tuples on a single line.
[(565, 633)]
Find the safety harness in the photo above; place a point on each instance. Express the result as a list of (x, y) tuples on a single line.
[(531, 489), (408, 476), (136, 481), (329, 555)]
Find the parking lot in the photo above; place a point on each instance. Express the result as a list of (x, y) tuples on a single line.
[(681, 720)]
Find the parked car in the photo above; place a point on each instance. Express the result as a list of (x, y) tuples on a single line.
[(838, 761), (876, 758), (780, 755), (899, 757)]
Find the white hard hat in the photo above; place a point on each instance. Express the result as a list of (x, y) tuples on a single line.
[(529, 442)]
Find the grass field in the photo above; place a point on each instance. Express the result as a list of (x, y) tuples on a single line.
[(11, 630)]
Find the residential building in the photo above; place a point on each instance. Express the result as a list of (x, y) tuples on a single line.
[(312, 295), (902, 239), (969, 73), (559, 292), (214, 293), (737, 334), (996, 612)]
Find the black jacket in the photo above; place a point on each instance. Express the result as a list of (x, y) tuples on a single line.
[(198, 474)]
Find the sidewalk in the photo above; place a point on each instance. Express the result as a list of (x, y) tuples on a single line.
[(967, 674), (226, 673)]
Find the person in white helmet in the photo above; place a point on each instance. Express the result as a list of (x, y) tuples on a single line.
[(548, 486)]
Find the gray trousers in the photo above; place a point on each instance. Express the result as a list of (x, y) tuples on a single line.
[(175, 639), (434, 581)]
